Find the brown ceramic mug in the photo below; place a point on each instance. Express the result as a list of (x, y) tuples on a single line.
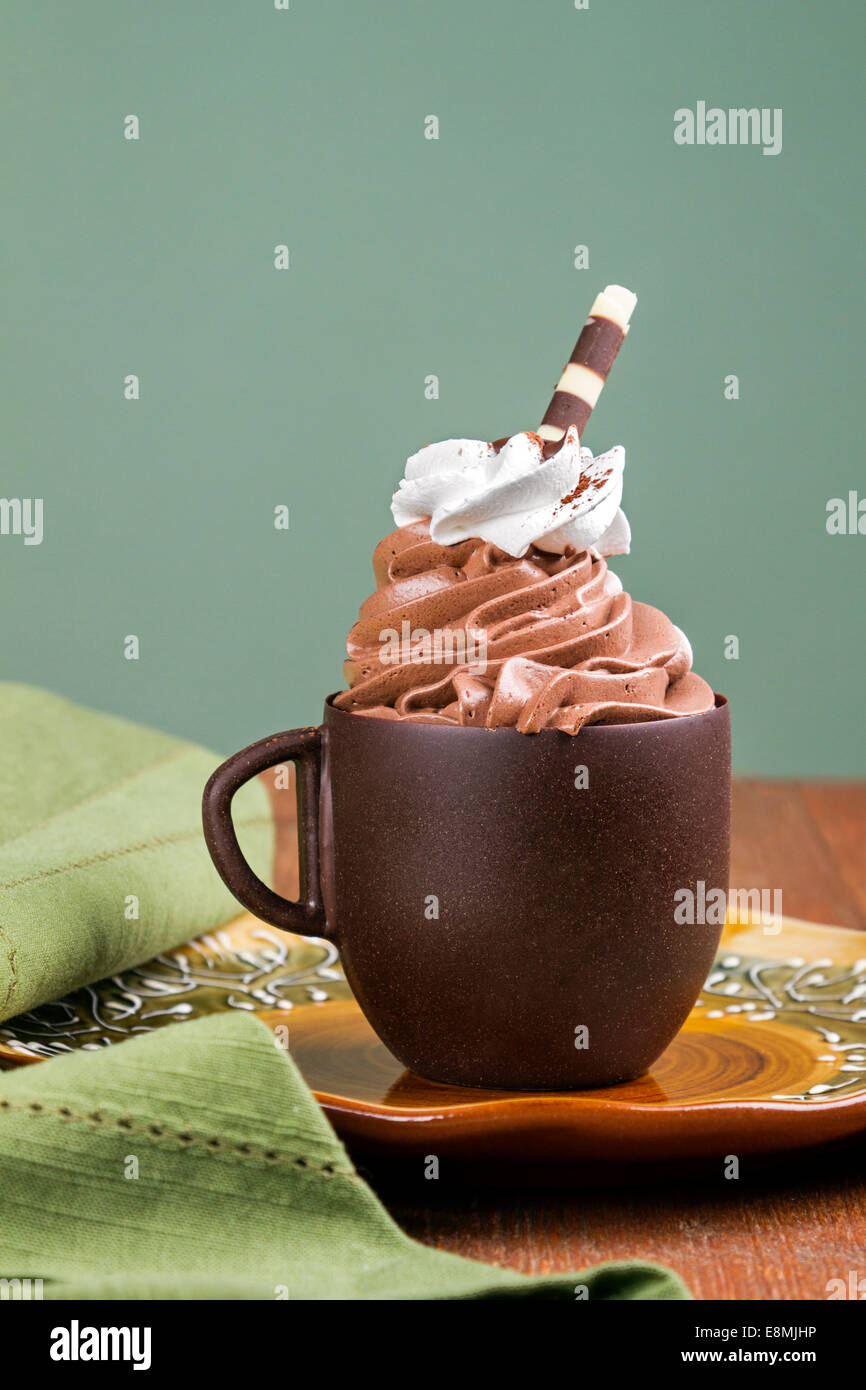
[(504, 919)]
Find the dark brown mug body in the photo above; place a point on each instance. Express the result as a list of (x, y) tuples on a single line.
[(505, 918)]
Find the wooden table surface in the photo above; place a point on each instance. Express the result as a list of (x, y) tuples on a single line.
[(785, 1227)]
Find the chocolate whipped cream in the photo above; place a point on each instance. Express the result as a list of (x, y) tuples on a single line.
[(466, 633)]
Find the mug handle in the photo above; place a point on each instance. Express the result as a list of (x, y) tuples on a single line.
[(300, 746)]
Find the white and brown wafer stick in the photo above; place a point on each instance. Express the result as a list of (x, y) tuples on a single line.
[(585, 373)]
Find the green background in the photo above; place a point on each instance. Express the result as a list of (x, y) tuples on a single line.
[(411, 257)]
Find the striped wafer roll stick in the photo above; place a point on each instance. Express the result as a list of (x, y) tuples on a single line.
[(584, 375)]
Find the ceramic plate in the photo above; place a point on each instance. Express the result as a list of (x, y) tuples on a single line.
[(772, 1057), (245, 965)]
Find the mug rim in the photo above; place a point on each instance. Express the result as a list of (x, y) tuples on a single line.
[(721, 703)]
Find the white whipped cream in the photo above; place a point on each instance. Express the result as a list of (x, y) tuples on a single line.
[(517, 498)]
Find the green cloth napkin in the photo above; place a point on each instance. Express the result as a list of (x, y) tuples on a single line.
[(194, 1163), (103, 863)]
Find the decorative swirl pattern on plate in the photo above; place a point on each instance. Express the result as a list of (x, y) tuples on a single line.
[(250, 966), (818, 995), (246, 965)]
